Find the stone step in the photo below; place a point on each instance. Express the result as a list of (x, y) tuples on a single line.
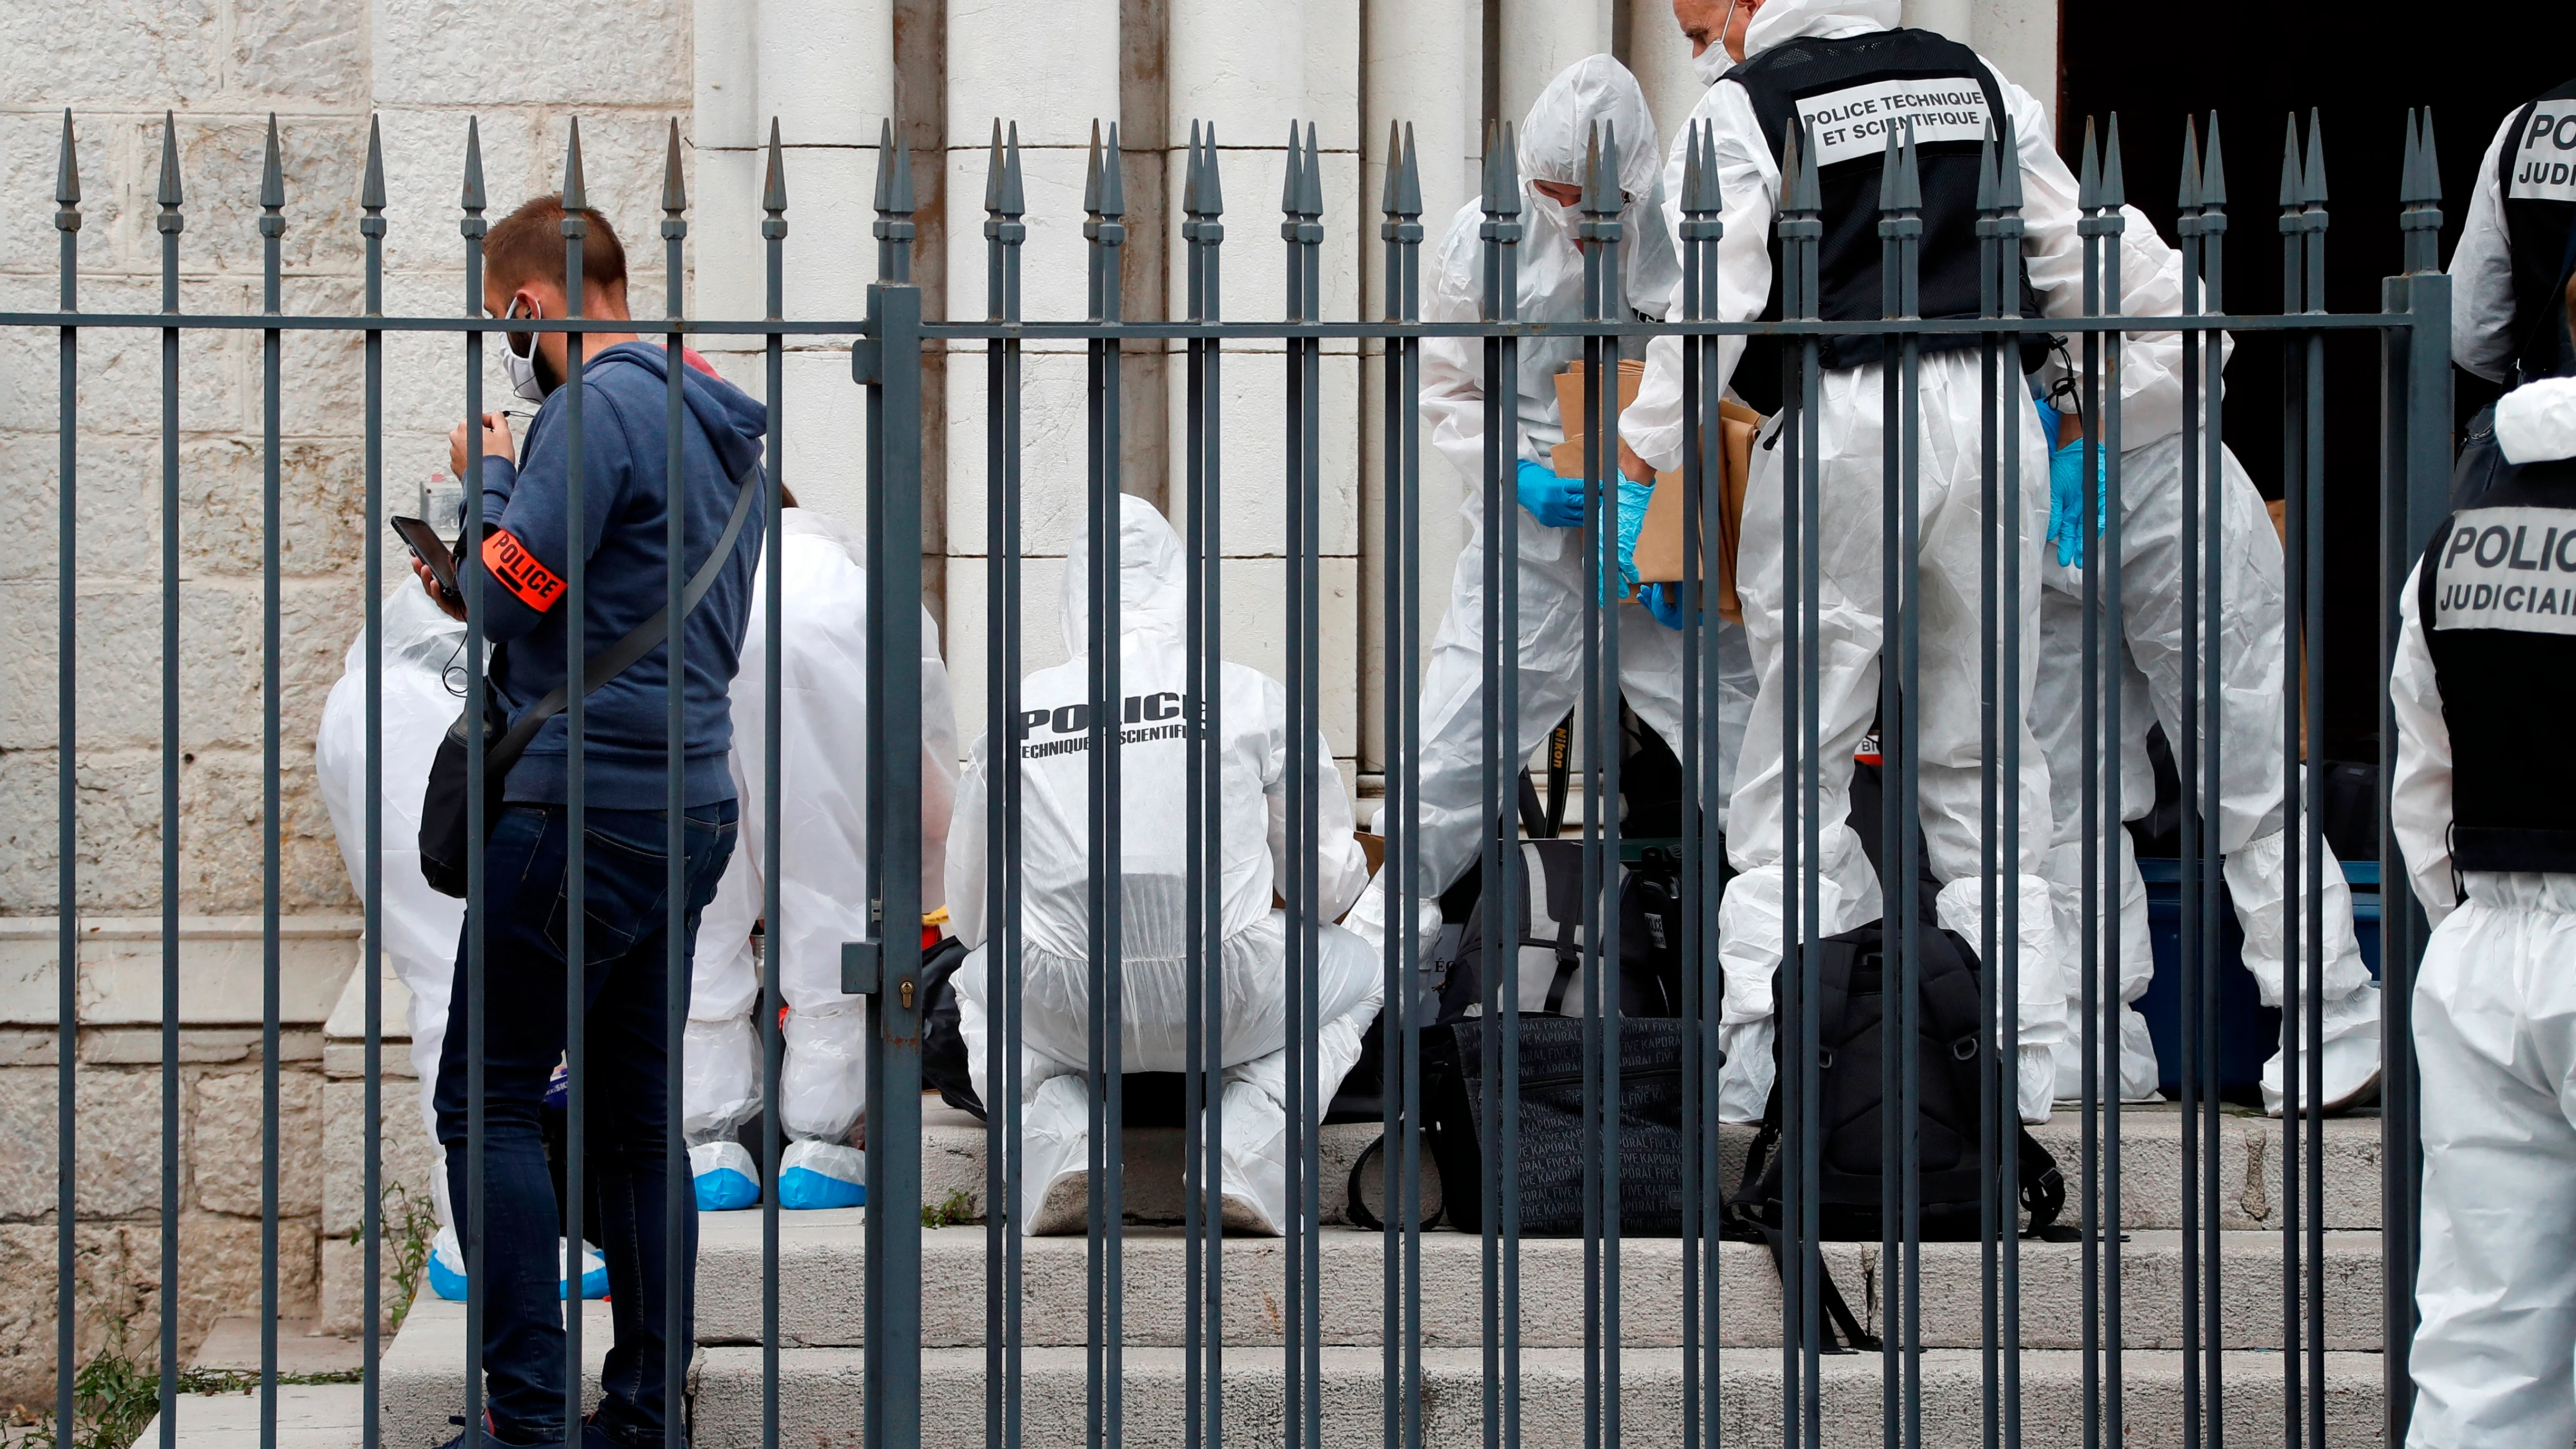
[(822, 1257), (2249, 1193), (819, 1397), (421, 1377)]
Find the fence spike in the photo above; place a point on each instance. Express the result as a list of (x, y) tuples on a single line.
[(675, 191), (1212, 194), (1807, 193), (1014, 196), (1691, 171), (1091, 175), (1510, 172), (2293, 181), (2213, 172), (2115, 187), (1909, 175), (903, 201), (1394, 159), (2432, 192), (576, 196), (1113, 190), (169, 195), (1494, 202), (1601, 170), (1288, 179), (2187, 195), (1988, 198), (2007, 168), (773, 186), (1310, 188), (2088, 176), (2409, 173), (2316, 178), (272, 170), (67, 169), (993, 167), (1887, 174), (471, 198), (371, 189), (885, 166), (1408, 195)]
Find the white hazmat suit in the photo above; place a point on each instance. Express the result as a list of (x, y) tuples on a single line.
[(1453, 815), (424, 691), (1057, 968), (1850, 428), (2250, 640), (823, 890), (2495, 1040)]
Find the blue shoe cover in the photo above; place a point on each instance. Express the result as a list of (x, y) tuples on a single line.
[(818, 1174), (725, 1176)]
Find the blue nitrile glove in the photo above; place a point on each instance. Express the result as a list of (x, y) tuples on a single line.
[(1664, 601), (2066, 499), (1556, 502), (1633, 498)]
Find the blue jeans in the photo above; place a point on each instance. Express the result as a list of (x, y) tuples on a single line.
[(627, 1071)]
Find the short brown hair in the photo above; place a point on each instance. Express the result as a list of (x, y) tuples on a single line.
[(528, 245)]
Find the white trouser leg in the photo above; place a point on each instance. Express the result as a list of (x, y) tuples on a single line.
[(2495, 1036), (1952, 757)]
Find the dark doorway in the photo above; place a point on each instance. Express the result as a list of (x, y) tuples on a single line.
[(2255, 62)]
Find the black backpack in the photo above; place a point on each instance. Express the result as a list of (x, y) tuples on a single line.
[(1851, 1047)]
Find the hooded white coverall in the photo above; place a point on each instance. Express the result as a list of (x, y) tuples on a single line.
[(424, 691), (2495, 1041), (1850, 428), (2250, 640), (1057, 969), (1453, 815), (823, 892)]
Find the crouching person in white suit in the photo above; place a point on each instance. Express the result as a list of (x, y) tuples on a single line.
[(1056, 965), (823, 889)]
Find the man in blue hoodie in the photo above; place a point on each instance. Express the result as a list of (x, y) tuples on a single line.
[(530, 538)]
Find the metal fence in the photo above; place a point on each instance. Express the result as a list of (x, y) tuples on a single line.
[(1292, 1388)]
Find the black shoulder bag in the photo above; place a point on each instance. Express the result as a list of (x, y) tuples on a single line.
[(443, 833)]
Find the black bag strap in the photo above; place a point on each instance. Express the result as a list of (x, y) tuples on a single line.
[(1361, 1217), (639, 641), (1838, 1314)]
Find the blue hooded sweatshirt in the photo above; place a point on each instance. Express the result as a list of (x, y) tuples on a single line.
[(625, 417)]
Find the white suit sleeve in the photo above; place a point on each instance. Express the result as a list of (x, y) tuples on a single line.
[(938, 766), (1341, 867), (1453, 368), (2482, 273), (965, 854), (1750, 181), (2419, 799), (2052, 252)]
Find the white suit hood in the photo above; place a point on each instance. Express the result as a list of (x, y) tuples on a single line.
[(1556, 135), (1780, 21), (2536, 422), (1153, 589)]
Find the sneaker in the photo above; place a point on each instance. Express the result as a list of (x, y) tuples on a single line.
[(489, 1438), (595, 1435), (726, 1177), (817, 1174)]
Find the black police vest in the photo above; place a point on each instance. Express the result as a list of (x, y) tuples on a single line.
[(2536, 173), (1853, 92), (2497, 597)]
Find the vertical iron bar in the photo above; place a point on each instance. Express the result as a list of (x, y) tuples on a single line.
[(2312, 729), (1204, 929), (2008, 223), (1993, 275), (2212, 191), (678, 1206), (272, 226), (574, 229), (1001, 1216), (1907, 1324), (2114, 223), (2295, 999), (773, 1044), (477, 699), (2096, 672), (371, 199), (67, 220), (170, 223)]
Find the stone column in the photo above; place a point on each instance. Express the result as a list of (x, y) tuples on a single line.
[(1421, 65), (1659, 55), (1052, 67), (1301, 64), (824, 71)]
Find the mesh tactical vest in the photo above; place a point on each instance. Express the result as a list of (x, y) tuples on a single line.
[(1853, 92), (2536, 173), (2497, 596)]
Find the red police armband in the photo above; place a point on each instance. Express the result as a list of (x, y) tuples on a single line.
[(518, 570)]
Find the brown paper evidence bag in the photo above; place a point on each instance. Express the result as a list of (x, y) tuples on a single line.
[(1659, 539)]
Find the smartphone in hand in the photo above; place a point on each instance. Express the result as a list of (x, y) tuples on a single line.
[(432, 550)]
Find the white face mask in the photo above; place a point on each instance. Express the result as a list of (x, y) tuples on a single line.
[(522, 367), (1713, 62)]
